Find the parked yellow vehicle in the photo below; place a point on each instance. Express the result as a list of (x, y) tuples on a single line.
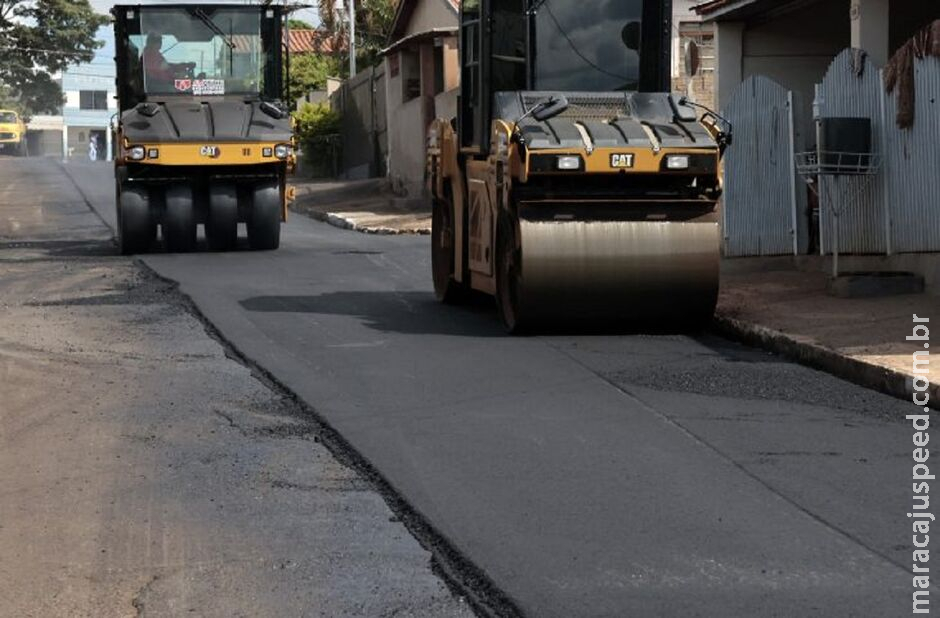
[(12, 133)]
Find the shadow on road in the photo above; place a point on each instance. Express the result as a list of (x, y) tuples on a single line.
[(420, 313), (399, 312)]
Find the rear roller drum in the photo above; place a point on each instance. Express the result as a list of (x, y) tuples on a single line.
[(179, 221), (508, 278), (443, 259), (264, 221), (222, 222), (136, 229)]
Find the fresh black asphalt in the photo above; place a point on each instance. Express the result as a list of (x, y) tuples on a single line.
[(586, 474)]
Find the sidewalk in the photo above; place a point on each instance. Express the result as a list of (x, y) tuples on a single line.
[(773, 303), (367, 206)]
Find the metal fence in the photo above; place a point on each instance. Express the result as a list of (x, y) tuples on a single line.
[(361, 101), (897, 212), (852, 88), (912, 166), (760, 200)]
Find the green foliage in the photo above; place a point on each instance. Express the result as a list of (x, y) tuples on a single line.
[(318, 130), (39, 38), (373, 24), (310, 71), (298, 24)]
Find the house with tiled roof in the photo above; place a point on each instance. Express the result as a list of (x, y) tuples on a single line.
[(309, 41), (421, 79)]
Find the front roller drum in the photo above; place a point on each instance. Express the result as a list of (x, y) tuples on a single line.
[(623, 271), (136, 228), (179, 220), (222, 219), (264, 220)]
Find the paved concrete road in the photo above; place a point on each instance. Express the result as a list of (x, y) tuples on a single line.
[(143, 472), (586, 475)]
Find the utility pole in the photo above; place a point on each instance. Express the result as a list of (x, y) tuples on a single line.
[(352, 38)]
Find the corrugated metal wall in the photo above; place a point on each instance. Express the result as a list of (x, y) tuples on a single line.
[(759, 205), (854, 92), (912, 158), (897, 212)]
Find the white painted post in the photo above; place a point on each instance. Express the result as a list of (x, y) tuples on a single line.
[(352, 38), (885, 163), (107, 143), (795, 229), (869, 19)]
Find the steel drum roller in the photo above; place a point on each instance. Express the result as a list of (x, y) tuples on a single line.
[(636, 270)]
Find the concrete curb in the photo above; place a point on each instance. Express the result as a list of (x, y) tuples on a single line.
[(345, 223), (813, 355)]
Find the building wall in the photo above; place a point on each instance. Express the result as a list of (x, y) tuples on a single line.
[(421, 84), (795, 50), (431, 14), (907, 18), (407, 127), (96, 75)]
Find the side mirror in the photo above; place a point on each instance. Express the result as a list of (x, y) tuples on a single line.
[(631, 35), (550, 108), (693, 59), (272, 110)]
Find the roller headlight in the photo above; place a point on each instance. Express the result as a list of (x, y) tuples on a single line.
[(677, 162), (136, 153), (282, 151), (569, 163)]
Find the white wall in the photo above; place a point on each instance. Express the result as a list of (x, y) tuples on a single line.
[(406, 145), (795, 50)]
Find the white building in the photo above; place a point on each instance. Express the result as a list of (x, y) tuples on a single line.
[(89, 102)]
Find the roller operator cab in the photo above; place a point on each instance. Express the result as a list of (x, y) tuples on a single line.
[(202, 136), (571, 185), (12, 133)]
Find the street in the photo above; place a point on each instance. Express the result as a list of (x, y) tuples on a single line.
[(572, 473)]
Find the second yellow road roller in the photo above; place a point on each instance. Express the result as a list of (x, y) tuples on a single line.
[(572, 184)]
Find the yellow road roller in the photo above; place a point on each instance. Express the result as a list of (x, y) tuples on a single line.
[(571, 184), (202, 134)]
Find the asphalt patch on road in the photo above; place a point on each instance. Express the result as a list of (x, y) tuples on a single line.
[(739, 372), (462, 577)]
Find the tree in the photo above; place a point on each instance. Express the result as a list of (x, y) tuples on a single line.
[(309, 72), (298, 24), (39, 38), (373, 23)]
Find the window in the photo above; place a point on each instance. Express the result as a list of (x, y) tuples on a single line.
[(410, 75), (508, 46), (93, 99), (201, 50), (589, 45)]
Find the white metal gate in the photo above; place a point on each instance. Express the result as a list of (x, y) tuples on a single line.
[(759, 215)]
